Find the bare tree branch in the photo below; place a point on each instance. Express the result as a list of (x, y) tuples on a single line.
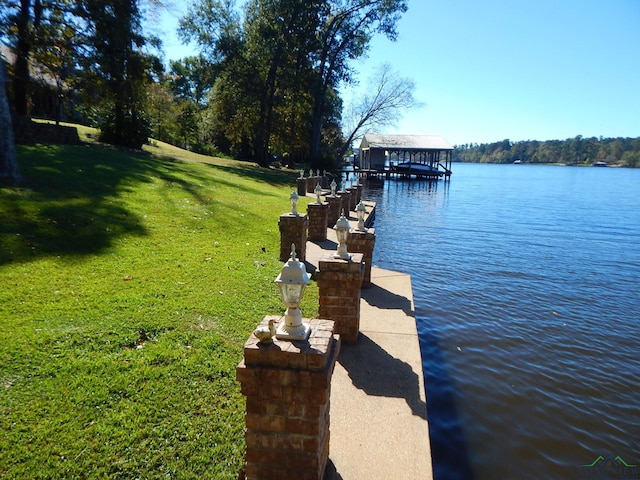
[(387, 97)]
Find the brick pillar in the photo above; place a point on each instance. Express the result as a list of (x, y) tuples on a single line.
[(363, 242), (324, 182), (311, 184), (358, 190), (293, 229), (318, 216), (339, 284), (335, 205), (288, 386), (301, 183), (353, 198), (346, 201)]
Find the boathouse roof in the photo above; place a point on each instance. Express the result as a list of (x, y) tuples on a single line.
[(405, 142)]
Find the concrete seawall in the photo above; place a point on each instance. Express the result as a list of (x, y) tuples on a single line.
[(379, 427)]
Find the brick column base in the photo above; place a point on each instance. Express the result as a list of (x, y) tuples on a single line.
[(318, 215), (346, 201), (301, 184), (353, 199), (288, 387), (311, 184), (339, 283), (363, 242), (293, 229), (335, 207)]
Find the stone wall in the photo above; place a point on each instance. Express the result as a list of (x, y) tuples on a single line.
[(28, 132)]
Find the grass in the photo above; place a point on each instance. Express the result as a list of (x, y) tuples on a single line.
[(129, 282)]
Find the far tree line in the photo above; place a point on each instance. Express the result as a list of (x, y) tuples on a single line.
[(572, 151), (265, 85)]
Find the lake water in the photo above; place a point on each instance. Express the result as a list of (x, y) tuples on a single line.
[(527, 292)]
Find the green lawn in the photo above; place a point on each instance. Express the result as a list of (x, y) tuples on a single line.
[(129, 282)]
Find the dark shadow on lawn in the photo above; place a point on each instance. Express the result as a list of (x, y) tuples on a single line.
[(270, 176), (71, 200)]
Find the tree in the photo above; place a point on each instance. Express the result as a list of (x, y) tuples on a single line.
[(33, 27), (9, 171), (191, 78), (345, 31), (118, 68), (280, 68), (391, 96)]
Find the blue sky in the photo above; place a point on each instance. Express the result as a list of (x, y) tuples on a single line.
[(518, 69)]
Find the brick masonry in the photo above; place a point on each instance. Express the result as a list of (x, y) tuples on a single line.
[(339, 283), (288, 387), (318, 214), (312, 182), (293, 229), (28, 132), (335, 207), (363, 242), (346, 201), (301, 184), (353, 199)]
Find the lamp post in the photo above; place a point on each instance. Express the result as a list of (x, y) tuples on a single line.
[(334, 185), (292, 280), (342, 228), (293, 198), (318, 192), (361, 209)]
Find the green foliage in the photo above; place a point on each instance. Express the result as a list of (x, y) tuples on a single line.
[(280, 69), (130, 282), (119, 68), (572, 151)]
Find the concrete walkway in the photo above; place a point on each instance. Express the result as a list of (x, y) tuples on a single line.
[(379, 426)]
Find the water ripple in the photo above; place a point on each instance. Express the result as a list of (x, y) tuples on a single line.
[(526, 291)]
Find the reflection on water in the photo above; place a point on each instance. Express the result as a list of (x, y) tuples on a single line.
[(526, 292)]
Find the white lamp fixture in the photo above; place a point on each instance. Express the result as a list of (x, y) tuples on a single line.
[(301, 174), (342, 228), (292, 280), (334, 185), (318, 192), (361, 209), (293, 198)]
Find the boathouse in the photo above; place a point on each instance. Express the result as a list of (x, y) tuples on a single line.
[(424, 156)]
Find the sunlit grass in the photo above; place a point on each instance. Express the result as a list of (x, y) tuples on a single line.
[(129, 283)]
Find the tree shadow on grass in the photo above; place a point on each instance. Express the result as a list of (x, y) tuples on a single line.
[(269, 176), (72, 200)]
